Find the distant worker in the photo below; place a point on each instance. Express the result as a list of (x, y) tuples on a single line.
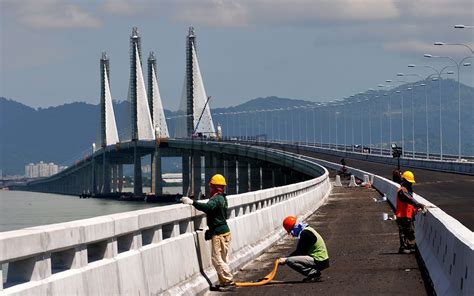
[(406, 210), (396, 176), (219, 232), (311, 255), (343, 171)]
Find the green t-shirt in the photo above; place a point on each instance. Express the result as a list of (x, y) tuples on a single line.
[(216, 211)]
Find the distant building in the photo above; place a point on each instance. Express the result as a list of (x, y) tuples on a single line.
[(42, 169)]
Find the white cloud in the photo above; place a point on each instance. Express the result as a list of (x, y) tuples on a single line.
[(244, 12), (128, 7), (49, 14), (438, 8), (215, 13)]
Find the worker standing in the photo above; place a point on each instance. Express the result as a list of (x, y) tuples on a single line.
[(219, 232), (406, 210), (311, 255)]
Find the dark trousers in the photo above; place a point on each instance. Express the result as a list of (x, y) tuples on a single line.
[(406, 230), (306, 265)]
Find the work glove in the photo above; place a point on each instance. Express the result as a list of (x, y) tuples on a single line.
[(282, 261), (186, 200)]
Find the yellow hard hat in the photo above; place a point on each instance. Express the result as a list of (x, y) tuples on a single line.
[(409, 176), (218, 179)]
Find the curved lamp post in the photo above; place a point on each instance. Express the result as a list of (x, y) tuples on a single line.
[(403, 116), (458, 66), (412, 109), (463, 27)]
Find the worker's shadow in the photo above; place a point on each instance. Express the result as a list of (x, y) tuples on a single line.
[(278, 283), (199, 235), (390, 253)]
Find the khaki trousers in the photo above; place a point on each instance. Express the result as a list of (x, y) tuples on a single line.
[(220, 257)]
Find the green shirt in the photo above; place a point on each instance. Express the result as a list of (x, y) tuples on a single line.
[(318, 251), (216, 212)]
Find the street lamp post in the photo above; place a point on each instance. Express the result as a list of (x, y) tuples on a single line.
[(320, 125), (352, 125), (412, 109), (426, 123), (370, 126), (438, 72), (314, 126), (403, 118), (458, 66), (335, 119), (380, 118), (463, 27), (412, 121), (390, 110), (362, 123), (345, 127)]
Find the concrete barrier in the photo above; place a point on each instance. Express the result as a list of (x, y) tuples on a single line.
[(435, 165), (153, 251), (445, 245)]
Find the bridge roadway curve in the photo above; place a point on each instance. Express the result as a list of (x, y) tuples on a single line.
[(362, 250), (453, 193)]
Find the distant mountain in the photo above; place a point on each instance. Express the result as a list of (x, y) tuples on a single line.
[(64, 133)]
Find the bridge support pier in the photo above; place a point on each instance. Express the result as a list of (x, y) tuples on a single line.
[(279, 177), (114, 177), (197, 180), (231, 175), (267, 176), (137, 171), (156, 178), (243, 168), (105, 174), (120, 177), (100, 180), (255, 181), (185, 173), (92, 175), (219, 164), (209, 171)]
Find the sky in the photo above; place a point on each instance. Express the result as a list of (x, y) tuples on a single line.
[(317, 50)]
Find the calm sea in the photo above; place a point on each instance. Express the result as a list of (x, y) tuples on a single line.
[(20, 209)]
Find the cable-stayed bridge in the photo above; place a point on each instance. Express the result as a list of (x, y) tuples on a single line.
[(162, 250)]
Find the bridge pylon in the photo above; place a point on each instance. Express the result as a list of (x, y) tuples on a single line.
[(141, 122), (195, 113)]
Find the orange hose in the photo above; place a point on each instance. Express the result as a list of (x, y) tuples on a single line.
[(268, 278)]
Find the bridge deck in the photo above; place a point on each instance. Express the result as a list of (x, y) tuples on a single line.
[(362, 249), (450, 192)]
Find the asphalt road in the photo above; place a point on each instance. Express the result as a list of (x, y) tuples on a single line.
[(362, 250), (453, 193)]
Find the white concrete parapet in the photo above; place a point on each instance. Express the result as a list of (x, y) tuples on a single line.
[(446, 246), (452, 166), (151, 251)]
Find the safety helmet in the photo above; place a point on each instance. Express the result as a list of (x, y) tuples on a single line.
[(409, 176), (218, 179), (289, 222)]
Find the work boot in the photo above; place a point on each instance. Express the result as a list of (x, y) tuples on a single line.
[(229, 286), (312, 278), (404, 251)]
